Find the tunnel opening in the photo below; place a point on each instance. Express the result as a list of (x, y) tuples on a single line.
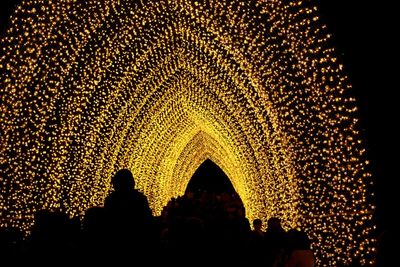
[(210, 183), (210, 178)]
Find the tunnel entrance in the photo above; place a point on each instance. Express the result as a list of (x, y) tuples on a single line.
[(209, 177), (210, 184)]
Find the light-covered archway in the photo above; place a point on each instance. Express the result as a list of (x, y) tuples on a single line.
[(158, 86)]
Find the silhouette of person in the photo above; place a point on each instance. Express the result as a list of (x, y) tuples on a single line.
[(257, 244), (300, 253), (257, 225), (275, 238), (130, 217), (50, 237), (126, 201), (94, 226)]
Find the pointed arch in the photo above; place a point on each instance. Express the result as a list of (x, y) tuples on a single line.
[(157, 86)]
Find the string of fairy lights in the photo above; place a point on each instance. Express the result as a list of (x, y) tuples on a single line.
[(89, 87)]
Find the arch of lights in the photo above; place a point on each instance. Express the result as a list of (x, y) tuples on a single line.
[(89, 87)]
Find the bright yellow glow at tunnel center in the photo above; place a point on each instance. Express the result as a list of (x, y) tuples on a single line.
[(201, 137)]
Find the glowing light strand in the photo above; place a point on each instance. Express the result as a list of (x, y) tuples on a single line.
[(158, 87)]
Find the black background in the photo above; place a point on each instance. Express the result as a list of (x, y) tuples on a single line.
[(363, 33)]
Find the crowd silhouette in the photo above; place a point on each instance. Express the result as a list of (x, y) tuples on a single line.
[(198, 229)]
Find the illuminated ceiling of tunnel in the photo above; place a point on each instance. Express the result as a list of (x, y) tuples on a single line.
[(158, 87)]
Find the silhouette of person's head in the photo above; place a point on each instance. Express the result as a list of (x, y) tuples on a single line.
[(257, 224), (274, 224), (299, 239), (123, 180)]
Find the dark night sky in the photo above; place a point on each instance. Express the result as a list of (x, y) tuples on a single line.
[(363, 33)]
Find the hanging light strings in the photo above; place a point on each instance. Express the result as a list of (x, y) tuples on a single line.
[(158, 87)]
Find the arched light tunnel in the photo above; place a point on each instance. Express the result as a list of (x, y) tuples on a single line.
[(160, 86)]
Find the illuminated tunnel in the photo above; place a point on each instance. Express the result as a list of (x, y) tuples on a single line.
[(158, 87)]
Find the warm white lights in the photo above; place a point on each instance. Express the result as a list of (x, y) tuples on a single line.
[(89, 87)]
